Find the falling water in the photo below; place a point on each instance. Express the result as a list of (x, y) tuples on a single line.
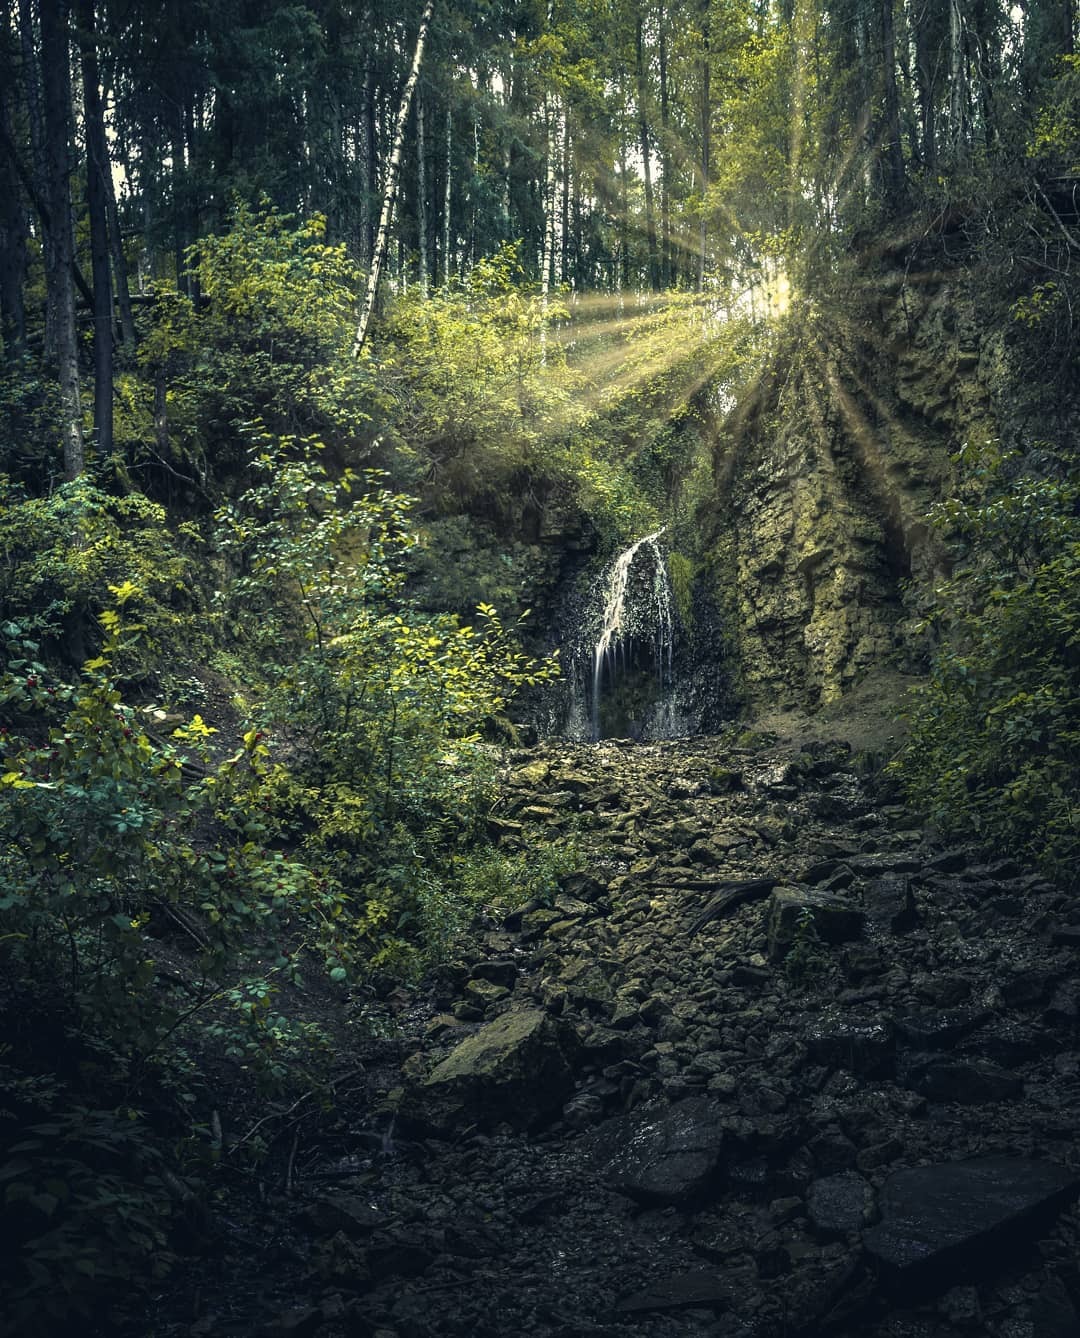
[(637, 612)]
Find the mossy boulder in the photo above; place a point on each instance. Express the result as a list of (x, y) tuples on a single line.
[(516, 1070)]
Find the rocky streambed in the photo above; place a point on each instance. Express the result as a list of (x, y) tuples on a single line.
[(770, 1063)]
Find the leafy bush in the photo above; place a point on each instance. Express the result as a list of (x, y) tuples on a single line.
[(379, 709), (995, 733), (89, 1211), (60, 556)]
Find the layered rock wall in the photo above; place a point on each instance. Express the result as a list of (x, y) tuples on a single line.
[(820, 546)]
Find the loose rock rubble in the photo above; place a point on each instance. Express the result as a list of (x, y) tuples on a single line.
[(771, 1063)]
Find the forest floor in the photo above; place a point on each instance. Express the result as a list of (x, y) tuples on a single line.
[(772, 1063)]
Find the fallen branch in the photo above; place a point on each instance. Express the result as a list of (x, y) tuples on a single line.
[(735, 894)]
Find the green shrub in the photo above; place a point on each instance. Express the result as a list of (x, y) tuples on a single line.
[(995, 733)]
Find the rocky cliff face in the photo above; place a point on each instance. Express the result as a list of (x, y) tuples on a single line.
[(825, 476)]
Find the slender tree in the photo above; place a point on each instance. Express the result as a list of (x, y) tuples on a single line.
[(393, 170), (98, 168), (646, 152), (60, 295)]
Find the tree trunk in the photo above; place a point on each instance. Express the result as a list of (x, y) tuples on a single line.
[(447, 199), (97, 169), (40, 175), (624, 221), (925, 81), (60, 293), (371, 165), (421, 199), (643, 130), (13, 222), (957, 82), (120, 266), (706, 144), (894, 149), (393, 169), (666, 267), (562, 272)]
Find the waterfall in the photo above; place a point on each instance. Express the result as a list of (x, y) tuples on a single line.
[(637, 608)]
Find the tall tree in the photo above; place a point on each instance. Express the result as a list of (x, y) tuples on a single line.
[(60, 292), (393, 170), (98, 169), (13, 210), (646, 152)]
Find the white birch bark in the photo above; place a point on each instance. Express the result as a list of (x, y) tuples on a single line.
[(393, 171)]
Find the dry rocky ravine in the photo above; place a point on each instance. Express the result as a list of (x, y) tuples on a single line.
[(772, 1063)]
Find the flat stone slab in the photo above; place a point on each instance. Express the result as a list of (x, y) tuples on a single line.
[(662, 1155), (968, 1082), (700, 1287), (943, 1223)]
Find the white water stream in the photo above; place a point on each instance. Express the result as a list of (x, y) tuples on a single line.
[(634, 611)]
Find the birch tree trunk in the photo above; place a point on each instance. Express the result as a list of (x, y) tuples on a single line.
[(60, 292), (643, 129), (421, 198), (706, 146), (447, 224), (393, 171), (667, 268)]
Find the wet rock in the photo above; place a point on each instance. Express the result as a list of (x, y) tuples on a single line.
[(860, 1043), (1010, 1043), (1028, 987), (944, 1223), (840, 1204), (515, 1069), (530, 776), (297, 1323), (967, 1082), (350, 1213), (1053, 1314), (832, 1150), (660, 1154), (890, 905), (834, 918), (947, 990), (584, 983), (700, 1287), (484, 992), (932, 1029), (949, 861), (498, 972)]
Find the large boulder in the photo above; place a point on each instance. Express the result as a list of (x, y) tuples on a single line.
[(834, 919), (516, 1070), (662, 1155), (943, 1223)]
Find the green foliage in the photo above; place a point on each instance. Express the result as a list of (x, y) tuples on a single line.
[(807, 963), (270, 341), (995, 732), (383, 708), (497, 882), (88, 1210), (103, 834), (1055, 140), (63, 556), (681, 571)]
